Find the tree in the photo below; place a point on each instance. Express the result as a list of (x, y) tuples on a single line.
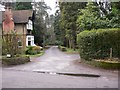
[(57, 29), (69, 13), (39, 31), (23, 6), (114, 15), (87, 19), (91, 18), (50, 34)]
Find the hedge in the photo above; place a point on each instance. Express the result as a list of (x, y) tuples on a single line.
[(96, 44), (15, 60)]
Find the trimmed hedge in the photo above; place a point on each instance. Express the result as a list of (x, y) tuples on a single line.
[(96, 44), (15, 60)]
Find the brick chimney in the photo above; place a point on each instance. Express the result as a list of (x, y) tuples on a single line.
[(8, 23)]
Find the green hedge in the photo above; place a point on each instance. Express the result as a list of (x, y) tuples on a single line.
[(15, 60), (32, 50), (97, 43)]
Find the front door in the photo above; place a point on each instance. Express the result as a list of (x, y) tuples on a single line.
[(29, 43)]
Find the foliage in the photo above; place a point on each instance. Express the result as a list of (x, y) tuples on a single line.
[(23, 6), (68, 50), (40, 24), (69, 12), (32, 50), (57, 29), (97, 43), (15, 60), (10, 44), (90, 18), (114, 15), (50, 34), (62, 48)]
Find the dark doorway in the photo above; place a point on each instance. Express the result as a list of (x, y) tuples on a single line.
[(29, 42)]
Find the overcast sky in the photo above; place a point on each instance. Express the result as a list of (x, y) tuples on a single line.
[(52, 4)]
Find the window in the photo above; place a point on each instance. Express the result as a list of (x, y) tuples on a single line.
[(29, 38), (29, 32)]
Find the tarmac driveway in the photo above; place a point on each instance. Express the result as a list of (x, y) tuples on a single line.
[(54, 61)]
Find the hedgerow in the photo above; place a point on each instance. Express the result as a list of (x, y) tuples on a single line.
[(99, 43)]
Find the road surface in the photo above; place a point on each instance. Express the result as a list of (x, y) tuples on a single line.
[(54, 61)]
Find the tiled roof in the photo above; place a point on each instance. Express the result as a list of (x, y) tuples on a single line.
[(21, 16)]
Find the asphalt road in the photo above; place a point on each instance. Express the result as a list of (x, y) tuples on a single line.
[(29, 76)]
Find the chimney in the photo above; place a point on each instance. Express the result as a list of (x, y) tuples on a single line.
[(8, 23)]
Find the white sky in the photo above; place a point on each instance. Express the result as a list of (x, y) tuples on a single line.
[(2, 8), (52, 4)]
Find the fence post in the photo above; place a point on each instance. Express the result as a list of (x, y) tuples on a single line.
[(110, 53)]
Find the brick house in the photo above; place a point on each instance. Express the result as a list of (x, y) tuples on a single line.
[(20, 21)]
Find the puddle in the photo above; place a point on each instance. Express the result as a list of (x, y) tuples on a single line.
[(70, 74)]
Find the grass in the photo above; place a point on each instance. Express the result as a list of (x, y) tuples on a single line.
[(68, 50), (105, 64)]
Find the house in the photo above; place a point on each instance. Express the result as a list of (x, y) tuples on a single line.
[(20, 21)]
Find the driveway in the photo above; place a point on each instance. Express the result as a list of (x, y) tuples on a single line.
[(54, 61)]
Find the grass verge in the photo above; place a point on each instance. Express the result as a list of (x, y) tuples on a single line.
[(111, 65), (68, 50)]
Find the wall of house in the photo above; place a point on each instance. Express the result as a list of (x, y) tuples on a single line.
[(30, 39), (21, 32), (29, 25), (20, 28)]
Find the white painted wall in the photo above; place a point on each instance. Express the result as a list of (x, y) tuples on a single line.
[(30, 25), (31, 39)]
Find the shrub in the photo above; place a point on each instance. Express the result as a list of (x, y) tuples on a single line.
[(32, 50), (97, 43), (10, 44), (15, 60), (62, 48)]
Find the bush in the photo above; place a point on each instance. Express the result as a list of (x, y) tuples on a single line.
[(96, 44), (62, 48), (32, 50), (15, 60)]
